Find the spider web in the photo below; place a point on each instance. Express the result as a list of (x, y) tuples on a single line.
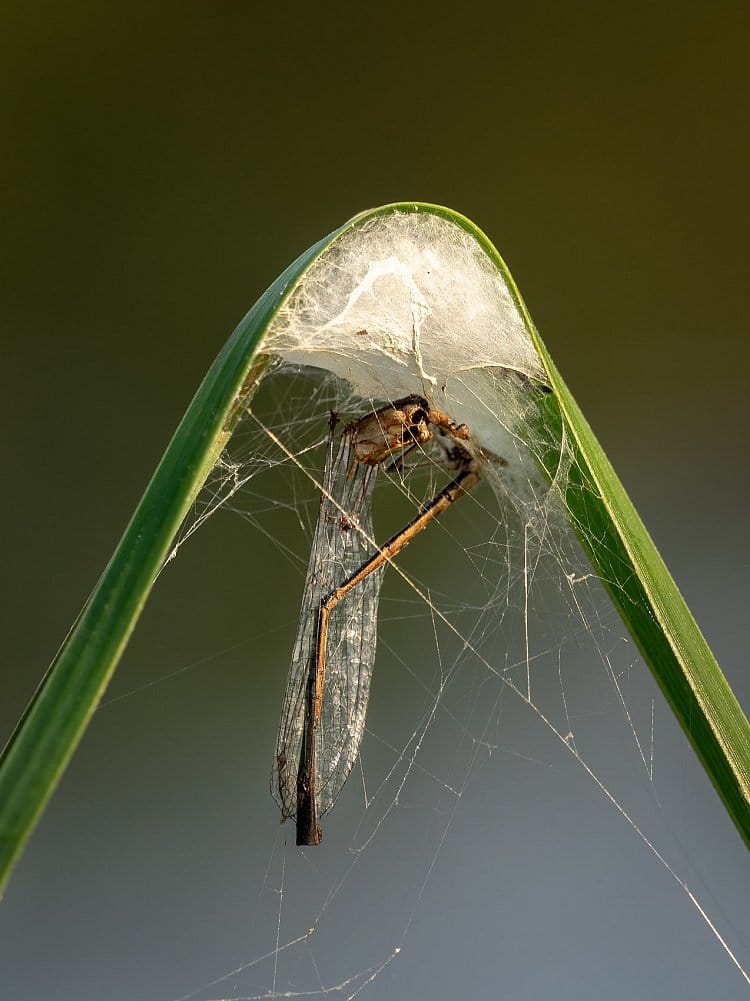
[(525, 818), (499, 655), (507, 699)]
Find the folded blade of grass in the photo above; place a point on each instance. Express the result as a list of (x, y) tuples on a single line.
[(620, 549)]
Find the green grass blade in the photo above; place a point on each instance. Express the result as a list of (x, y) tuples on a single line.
[(655, 613), (618, 544), (641, 587), (647, 597), (50, 729)]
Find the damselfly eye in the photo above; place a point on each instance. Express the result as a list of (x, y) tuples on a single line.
[(415, 428), (415, 431)]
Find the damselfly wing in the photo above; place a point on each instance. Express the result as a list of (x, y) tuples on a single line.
[(328, 687), (340, 544)]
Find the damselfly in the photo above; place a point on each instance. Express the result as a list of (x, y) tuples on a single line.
[(327, 691)]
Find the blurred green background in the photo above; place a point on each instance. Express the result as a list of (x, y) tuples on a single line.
[(161, 165)]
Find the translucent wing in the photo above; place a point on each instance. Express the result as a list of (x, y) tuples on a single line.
[(340, 545)]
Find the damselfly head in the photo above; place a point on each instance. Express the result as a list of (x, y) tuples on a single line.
[(390, 430)]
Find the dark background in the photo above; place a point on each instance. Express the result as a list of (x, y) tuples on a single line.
[(161, 165)]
